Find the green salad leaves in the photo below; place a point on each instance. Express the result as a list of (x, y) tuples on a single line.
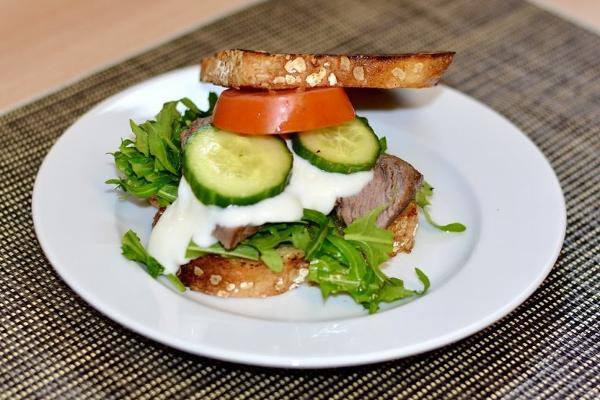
[(150, 164), (349, 261), (340, 260)]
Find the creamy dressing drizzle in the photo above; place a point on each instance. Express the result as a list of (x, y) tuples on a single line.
[(189, 219)]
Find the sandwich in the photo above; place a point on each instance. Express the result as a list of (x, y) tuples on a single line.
[(279, 183)]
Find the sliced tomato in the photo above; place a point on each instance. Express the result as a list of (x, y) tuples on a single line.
[(281, 111)]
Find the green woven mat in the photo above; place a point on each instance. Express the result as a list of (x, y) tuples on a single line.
[(538, 70)]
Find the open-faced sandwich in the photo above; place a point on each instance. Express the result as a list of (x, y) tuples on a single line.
[(279, 183)]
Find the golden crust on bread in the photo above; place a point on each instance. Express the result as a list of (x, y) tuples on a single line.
[(404, 228), (253, 69), (238, 277)]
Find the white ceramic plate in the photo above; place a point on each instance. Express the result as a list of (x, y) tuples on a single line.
[(486, 173)]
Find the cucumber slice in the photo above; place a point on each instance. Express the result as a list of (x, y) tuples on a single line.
[(345, 148), (225, 168)]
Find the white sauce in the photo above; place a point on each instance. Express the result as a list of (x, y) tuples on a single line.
[(188, 219)]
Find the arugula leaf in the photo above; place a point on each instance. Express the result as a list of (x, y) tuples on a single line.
[(150, 164), (194, 108), (423, 194), (141, 138), (452, 227), (159, 150), (301, 239), (163, 125), (176, 282), (357, 266), (269, 256), (141, 166), (375, 243), (424, 280), (133, 250), (270, 237), (272, 259), (382, 145), (212, 101), (422, 200), (393, 289), (332, 276), (242, 251), (315, 216), (167, 192), (349, 263), (316, 241), (330, 250)]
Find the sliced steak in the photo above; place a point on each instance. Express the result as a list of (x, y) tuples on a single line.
[(230, 237), (394, 183), (194, 126)]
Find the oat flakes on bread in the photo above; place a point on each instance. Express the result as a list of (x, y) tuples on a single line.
[(239, 277), (254, 69)]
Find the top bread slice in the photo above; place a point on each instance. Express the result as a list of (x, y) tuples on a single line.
[(261, 70)]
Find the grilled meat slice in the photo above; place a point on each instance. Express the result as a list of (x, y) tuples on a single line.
[(394, 184)]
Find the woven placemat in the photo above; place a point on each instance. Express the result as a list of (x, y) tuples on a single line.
[(538, 70)]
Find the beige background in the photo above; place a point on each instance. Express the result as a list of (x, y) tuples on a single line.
[(45, 44)]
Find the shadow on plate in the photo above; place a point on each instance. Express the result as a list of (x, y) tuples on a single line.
[(385, 99)]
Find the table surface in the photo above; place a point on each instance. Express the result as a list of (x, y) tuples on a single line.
[(56, 42)]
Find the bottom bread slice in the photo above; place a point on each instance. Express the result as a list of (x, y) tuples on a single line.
[(239, 277)]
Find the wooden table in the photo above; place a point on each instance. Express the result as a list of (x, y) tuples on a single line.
[(45, 44)]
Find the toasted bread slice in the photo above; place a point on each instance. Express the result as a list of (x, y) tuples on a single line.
[(254, 69), (238, 277)]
